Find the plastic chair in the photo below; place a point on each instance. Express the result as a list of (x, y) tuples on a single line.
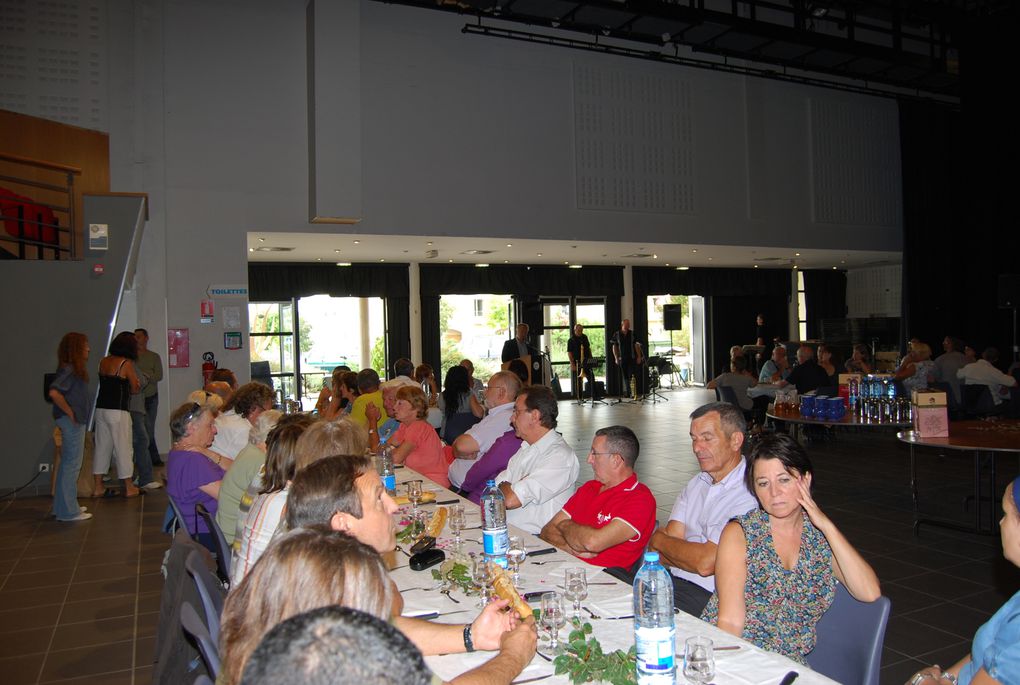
[(850, 637), (729, 396), (203, 680), (179, 515), (193, 626), (222, 548), (210, 589), (977, 400)]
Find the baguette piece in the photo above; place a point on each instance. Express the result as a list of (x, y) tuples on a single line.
[(504, 588), (437, 522)]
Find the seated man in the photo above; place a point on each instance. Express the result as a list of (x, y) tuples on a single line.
[(540, 478), (983, 372), (688, 543), (777, 368), (609, 520), (807, 375), (335, 645), (345, 492), (488, 467), (476, 441), (738, 379)]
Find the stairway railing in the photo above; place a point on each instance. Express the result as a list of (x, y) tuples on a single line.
[(28, 222)]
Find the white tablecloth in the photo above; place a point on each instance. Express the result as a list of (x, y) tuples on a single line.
[(607, 596)]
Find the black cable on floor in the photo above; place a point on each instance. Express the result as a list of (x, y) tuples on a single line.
[(17, 490)]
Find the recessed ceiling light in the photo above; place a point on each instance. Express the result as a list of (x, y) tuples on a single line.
[(357, 242), (336, 251), (509, 244), (566, 262), (318, 259), (709, 259), (429, 242), (482, 266), (262, 240), (343, 263), (834, 268), (251, 249), (506, 261), (794, 266), (539, 254), (655, 256), (451, 261), (694, 251), (796, 254), (576, 266), (382, 260), (682, 268), (755, 266)]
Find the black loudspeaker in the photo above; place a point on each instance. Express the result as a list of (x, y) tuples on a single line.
[(1009, 290), (671, 316)]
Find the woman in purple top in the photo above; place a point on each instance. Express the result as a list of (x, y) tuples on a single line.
[(193, 472)]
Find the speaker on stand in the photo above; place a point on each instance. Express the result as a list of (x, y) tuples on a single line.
[(672, 320)]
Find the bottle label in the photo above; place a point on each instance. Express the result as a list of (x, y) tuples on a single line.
[(389, 482), (655, 649), (496, 542)]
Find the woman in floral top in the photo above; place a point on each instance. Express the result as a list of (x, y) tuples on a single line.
[(776, 568)]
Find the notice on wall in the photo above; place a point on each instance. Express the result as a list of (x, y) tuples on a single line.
[(231, 317), (99, 236), (207, 310), (232, 340), (178, 345)]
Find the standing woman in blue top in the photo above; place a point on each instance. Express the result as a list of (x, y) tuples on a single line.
[(995, 654), (69, 393)]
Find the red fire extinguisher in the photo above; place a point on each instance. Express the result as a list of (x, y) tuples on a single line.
[(208, 366)]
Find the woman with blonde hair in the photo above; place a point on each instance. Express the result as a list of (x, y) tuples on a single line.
[(917, 368), (416, 443), (303, 569)]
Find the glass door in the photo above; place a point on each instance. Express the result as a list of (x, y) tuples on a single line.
[(272, 345), (559, 315)]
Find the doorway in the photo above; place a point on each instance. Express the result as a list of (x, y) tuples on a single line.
[(559, 315)]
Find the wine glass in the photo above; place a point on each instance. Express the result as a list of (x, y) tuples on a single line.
[(515, 554), (576, 588), (455, 520), (553, 618), (699, 659), (481, 574), (414, 493)]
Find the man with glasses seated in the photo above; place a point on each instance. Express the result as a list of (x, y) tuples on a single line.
[(610, 519)]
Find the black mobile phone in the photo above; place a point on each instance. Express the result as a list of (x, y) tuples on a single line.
[(420, 562)]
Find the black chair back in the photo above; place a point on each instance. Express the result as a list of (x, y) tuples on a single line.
[(219, 541)]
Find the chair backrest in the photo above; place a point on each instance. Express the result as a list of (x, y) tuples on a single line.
[(203, 680), (179, 515), (198, 630), (977, 400), (850, 637), (727, 395), (718, 395), (457, 424), (210, 589), (219, 540)]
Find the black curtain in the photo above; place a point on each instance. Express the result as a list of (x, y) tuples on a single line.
[(431, 346), (825, 298), (959, 197), (466, 279), (398, 330)]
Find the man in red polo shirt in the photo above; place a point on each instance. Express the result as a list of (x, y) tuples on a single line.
[(610, 519)]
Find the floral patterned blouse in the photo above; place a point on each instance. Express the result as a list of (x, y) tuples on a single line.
[(782, 607)]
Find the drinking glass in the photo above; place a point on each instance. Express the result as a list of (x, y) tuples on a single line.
[(576, 588), (481, 574), (515, 554), (553, 618), (699, 659), (414, 493), (455, 520)]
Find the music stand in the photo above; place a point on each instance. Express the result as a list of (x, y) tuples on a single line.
[(655, 366), (591, 367)]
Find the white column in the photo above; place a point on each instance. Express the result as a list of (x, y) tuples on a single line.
[(366, 341), (414, 313)]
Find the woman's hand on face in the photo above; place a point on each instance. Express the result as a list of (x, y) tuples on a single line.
[(805, 500)]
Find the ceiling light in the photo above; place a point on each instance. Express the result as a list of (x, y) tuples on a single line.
[(576, 266), (509, 244), (565, 263), (336, 251), (251, 249), (382, 260), (451, 261), (506, 261), (482, 266), (357, 242), (318, 259), (709, 259), (695, 251), (834, 268), (655, 256), (539, 254), (796, 254), (682, 268), (794, 266), (262, 240), (477, 252), (343, 263), (755, 266), (429, 242)]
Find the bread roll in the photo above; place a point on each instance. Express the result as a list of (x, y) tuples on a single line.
[(504, 588)]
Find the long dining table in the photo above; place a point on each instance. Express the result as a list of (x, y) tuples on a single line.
[(738, 662)]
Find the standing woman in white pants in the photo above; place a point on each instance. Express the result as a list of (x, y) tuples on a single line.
[(117, 382)]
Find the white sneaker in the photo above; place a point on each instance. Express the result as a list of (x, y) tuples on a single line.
[(83, 516), (81, 510), (152, 485)]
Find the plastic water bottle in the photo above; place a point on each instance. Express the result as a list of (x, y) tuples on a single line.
[(654, 629), (389, 479), (495, 538)]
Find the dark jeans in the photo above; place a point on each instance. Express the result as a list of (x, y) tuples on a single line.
[(139, 444), (151, 405), (689, 598)]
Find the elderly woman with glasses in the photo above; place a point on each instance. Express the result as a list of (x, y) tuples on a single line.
[(193, 472)]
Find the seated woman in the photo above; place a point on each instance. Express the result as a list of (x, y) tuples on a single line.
[(345, 391), (426, 378), (995, 654), (860, 362), (917, 368), (455, 404), (825, 361), (415, 443), (776, 568), (193, 472)]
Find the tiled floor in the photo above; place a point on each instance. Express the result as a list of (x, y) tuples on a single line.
[(79, 601)]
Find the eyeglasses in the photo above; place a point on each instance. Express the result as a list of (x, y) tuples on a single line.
[(600, 454)]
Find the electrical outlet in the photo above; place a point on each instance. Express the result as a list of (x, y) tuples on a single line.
[(44, 468)]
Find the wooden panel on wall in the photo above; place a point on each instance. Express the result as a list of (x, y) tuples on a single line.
[(56, 143)]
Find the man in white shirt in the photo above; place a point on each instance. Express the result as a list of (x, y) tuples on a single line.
[(983, 372), (688, 543), (472, 445), (540, 478)]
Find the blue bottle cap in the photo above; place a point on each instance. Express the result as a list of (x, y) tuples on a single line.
[(651, 556), (489, 483)]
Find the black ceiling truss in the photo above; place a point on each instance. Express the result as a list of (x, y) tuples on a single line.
[(893, 48)]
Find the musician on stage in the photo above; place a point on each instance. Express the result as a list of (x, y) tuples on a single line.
[(579, 352), (628, 355)]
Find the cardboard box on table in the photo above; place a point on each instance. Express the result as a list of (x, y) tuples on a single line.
[(931, 416)]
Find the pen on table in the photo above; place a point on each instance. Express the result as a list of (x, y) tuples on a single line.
[(727, 648), (547, 550), (789, 678)]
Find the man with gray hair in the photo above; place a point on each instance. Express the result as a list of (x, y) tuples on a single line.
[(472, 445), (610, 519), (688, 543)]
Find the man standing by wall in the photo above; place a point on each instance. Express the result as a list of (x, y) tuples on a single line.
[(151, 365)]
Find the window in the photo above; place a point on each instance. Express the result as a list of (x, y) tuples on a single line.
[(801, 307), (479, 307)]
